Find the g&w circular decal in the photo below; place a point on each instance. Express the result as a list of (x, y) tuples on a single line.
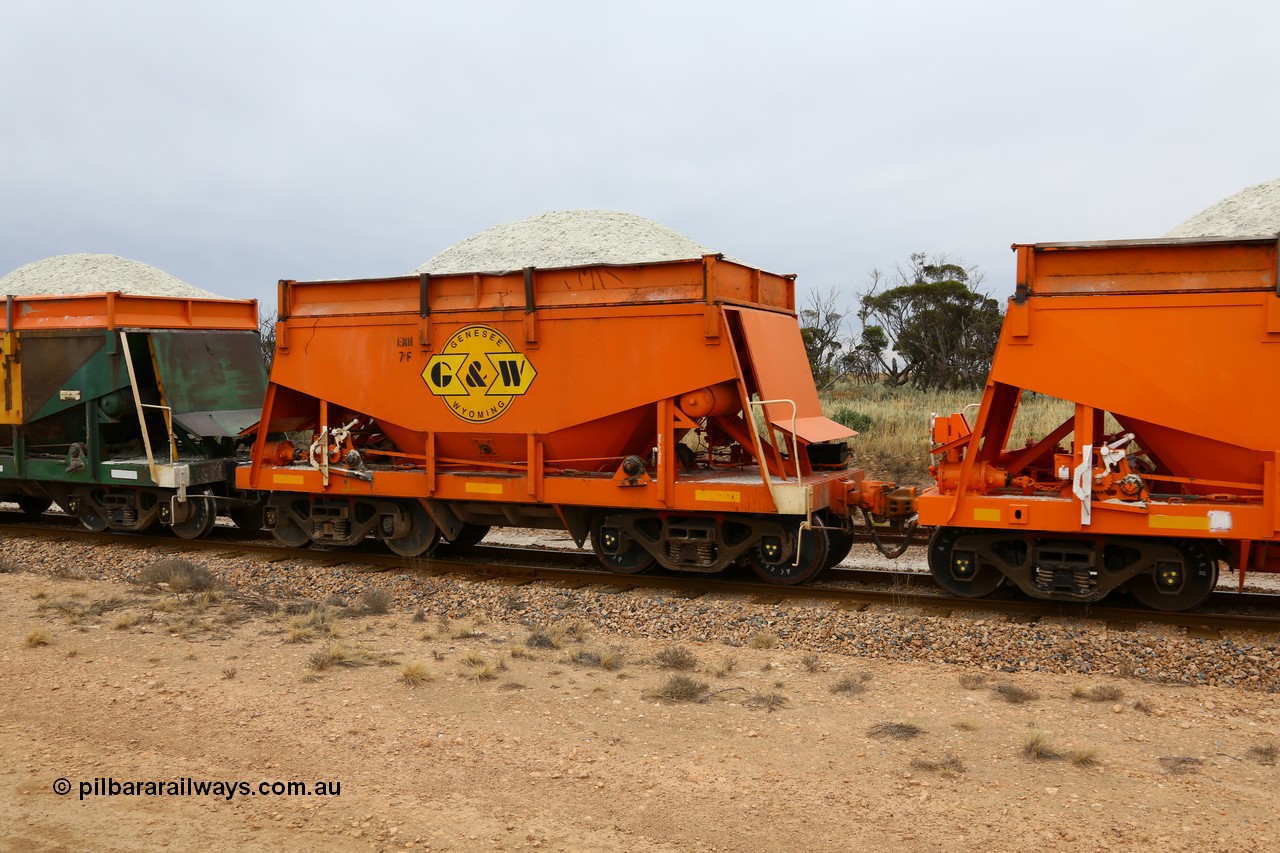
[(478, 373)]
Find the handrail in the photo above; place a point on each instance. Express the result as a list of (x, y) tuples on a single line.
[(795, 442)]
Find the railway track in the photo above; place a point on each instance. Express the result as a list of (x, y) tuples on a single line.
[(853, 589)]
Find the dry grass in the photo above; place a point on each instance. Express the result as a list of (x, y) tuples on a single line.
[(177, 575), (415, 674), (337, 654), (578, 631), (724, 667), (897, 731), (543, 639), (1181, 765), (1084, 757), (462, 629), (676, 657), (1037, 748), (306, 627), (811, 663), (125, 621), (1144, 706), (37, 638), (764, 640), (229, 672), (965, 725), (682, 688), (1013, 694), (480, 667), (610, 659), (948, 764), (1099, 693), (896, 443), (972, 680)]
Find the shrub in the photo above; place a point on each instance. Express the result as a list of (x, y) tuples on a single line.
[(1100, 693), (897, 731), (1179, 765), (764, 640), (682, 688), (852, 419), (850, 685), (947, 764), (375, 600), (676, 657), (769, 701), (178, 574), (1014, 694)]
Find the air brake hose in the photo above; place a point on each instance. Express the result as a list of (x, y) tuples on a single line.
[(891, 553)]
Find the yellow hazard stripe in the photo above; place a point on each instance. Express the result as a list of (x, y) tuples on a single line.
[(718, 496), (1179, 522), (485, 488)]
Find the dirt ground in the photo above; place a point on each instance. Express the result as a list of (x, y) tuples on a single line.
[(513, 747)]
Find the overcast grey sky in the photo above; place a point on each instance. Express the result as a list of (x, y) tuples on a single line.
[(232, 144)]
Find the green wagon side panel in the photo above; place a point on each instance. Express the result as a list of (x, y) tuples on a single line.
[(83, 363), (213, 381)]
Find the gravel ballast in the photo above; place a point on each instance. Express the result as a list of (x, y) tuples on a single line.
[(565, 238), (1080, 646), (93, 273)]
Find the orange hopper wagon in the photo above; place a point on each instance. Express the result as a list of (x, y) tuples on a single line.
[(1170, 352), (664, 411)]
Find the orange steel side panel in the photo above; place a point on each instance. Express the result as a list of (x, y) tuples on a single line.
[(589, 364), (127, 311), (1194, 357), (1180, 342)]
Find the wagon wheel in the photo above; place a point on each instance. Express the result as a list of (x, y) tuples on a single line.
[(288, 532), (88, 516), (839, 544), (960, 571), (814, 548), (201, 515), (628, 557), (421, 536), (1173, 586), (469, 535), (33, 505)]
